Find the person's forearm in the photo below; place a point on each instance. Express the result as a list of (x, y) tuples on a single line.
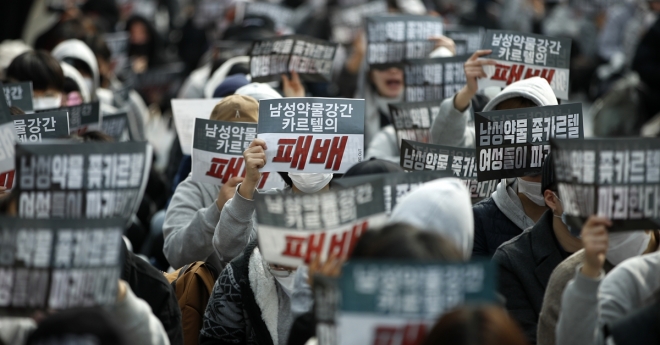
[(462, 99), (246, 189)]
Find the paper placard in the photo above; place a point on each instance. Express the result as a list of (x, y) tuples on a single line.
[(312, 135), (412, 120), (185, 111), (36, 127), (614, 178), (116, 126), (217, 153), (523, 55), (310, 57), (58, 264), (19, 95), (60, 179), (433, 79), (514, 143), (82, 117), (8, 137), (295, 227), (396, 38), (469, 37)]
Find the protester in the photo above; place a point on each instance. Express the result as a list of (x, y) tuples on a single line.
[(485, 325), (384, 86), (45, 74), (527, 261)]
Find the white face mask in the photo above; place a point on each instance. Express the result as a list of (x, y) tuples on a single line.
[(625, 245), (532, 191), (310, 183), (285, 279), (40, 103)]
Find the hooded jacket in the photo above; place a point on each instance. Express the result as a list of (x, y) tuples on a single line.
[(376, 108), (71, 72), (247, 306), (442, 206), (77, 49)]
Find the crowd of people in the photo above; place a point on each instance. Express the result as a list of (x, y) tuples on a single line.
[(193, 270)]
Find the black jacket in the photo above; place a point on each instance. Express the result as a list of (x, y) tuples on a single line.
[(149, 284), (491, 228), (526, 263)]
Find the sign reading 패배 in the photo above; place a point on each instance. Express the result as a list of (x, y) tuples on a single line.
[(83, 117), (460, 162), (468, 39), (514, 143), (614, 178), (434, 79), (412, 120), (116, 126), (312, 135), (36, 127), (19, 95), (396, 38), (58, 264), (395, 185), (217, 153), (185, 111), (347, 21), (294, 228), (522, 55), (384, 302), (310, 57), (8, 138), (70, 180)]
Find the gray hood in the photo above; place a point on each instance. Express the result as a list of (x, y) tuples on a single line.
[(506, 199), (535, 89), (442, 206), (77, 49)]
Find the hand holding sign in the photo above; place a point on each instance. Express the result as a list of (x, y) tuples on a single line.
[(292, 87), (255, 159), (473, 69), (595, 240)]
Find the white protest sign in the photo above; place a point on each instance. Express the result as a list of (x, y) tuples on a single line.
[(185, 111)]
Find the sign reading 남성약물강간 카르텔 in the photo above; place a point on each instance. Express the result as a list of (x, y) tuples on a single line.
[(298, 227), (217, 153), (312, 135), (376, 302), (39, 126), (69, 180), (311, 58), (514, 142), (59, 264), (433, 79), (392, 39), (614, 178), (522, 55), (457, 161)]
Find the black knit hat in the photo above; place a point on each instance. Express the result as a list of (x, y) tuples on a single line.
[(548, 174), (72, 326), (373, 166)]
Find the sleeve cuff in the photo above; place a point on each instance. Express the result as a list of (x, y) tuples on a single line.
[(240, 207), (587, 286)]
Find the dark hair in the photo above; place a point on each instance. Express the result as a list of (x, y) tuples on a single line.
[(38, 67), (516, 103), (87, 322), (9, 202), (14, 110), (99, 46), (401, 241), (476, 325)]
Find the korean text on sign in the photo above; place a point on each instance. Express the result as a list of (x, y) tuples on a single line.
[(217, 153), (82, 117), (19, 95), (433, 79), (514, 143), (298, 227), (412, 121), (614, 178), (36, 127), (523, 55), (59, 264), (312, 134), (8, 138), (395, 38)]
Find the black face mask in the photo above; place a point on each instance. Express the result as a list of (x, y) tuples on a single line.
[(138, 49)]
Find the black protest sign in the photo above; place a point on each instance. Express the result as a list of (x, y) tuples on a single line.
[(116, 126), (58, 264), (433, 79), (470, 38), (293, 228), (310, 57), (117, 43), (316, 135), (614, 178), (19, 95), (39, 126), (458, 161), (523, 55), (395, 185), (71, 180), (396, 38), (347, 21), (412, 120), (514, 143), (82, 117), (8, 138)]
